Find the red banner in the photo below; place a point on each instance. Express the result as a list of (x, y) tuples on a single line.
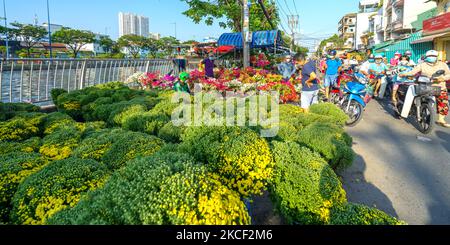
[(437, 24)]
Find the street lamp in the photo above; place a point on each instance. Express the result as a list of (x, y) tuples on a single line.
[(6, 30), (49, 31), (175, 23)]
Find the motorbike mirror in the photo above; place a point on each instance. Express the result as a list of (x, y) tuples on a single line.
[(439, 73)]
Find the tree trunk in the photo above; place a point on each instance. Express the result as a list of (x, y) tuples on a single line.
[(28, 52)]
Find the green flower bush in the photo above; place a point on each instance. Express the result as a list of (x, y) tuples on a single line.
[(89, 109), (27, 146), (60, 144), (148, 122), (70, 104), (14, 168), (171, 133), (98, 143), (239, 156), (356, 214), (331, 142), (56, 92), (119, 116), (10, 110), (331, 110), (116, 147), (56, 121), (22, 127), (304, 187), (132, 145), (57, 186), (162, 189)]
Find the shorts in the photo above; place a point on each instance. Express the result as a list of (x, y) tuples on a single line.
[(330, 80), (309, 98)]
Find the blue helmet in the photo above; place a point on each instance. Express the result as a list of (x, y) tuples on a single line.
[(333, 53)]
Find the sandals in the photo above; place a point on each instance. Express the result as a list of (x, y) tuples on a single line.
[(443, 124)]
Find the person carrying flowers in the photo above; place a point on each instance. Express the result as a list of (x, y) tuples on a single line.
[(181, 85)]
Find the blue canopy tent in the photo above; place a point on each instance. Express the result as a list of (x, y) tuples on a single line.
[(260, 39)]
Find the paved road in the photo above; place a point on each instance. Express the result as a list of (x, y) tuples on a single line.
[(396, 171)]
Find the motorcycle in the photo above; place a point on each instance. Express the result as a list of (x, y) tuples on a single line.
[(418, 100), (356, 95), (335, 92)]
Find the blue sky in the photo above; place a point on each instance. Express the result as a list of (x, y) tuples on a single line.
[(317, 17)]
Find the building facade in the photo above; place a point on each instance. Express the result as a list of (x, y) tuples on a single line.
[(364, 23), (437, 29), (400, 14), (132, 24), (95, 47), (347, 28)]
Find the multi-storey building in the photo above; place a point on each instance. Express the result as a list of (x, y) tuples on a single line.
[(365, 24), (347, 27), (132, 24), (400, 14)]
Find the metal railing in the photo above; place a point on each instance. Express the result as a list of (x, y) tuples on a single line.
[(31, 80)]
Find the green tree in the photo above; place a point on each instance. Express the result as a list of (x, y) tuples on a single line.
[(30, 35), (166, 44), (135, 44), (107, 44), (189, 42), (337, 43), (74, 39), (229, 13), (3, 51)]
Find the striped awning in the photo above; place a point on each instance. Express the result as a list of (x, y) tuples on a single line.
[(260, 39), (428, 38)]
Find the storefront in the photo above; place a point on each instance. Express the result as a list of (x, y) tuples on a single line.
[(437, 30), (416, 43)]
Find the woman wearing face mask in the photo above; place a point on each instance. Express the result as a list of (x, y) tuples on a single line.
[(396, 59), (428, 68), (403, 67), (378, 69)]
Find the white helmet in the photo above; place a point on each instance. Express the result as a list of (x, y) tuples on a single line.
[(433, 53), (378, 56)]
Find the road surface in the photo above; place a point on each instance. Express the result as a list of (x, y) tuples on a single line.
[(397, 170)]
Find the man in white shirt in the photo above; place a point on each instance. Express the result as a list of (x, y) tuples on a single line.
[(364, 69)]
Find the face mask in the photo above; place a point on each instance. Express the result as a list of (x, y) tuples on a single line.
[(431, 59), (378, 61), (371, 60), (404, 62)]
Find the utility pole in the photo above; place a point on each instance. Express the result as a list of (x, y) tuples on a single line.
[(49, 31), (293, 24), (6, 29), (246, 32)]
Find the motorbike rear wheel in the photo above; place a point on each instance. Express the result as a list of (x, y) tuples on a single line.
[(428, 115), (354, 112)]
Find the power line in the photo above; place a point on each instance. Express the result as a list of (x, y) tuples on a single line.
[(295, 7), (287, 6)]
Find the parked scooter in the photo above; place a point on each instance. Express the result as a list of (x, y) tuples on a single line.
[(356, 95), (419, 101)]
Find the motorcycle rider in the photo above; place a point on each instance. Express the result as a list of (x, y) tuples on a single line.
[(333, 66), (378, 69), (403, 66), (428, 68), (396, 59), (364, 69), (411, 61)]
